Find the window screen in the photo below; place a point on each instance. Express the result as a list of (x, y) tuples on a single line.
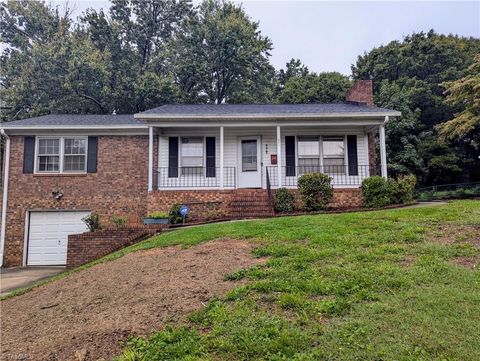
[(308, 155), (48, 155), (334, 154), (192, 156)]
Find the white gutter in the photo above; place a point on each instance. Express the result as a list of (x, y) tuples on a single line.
[(148, 116), (5, 195), (73, 127)]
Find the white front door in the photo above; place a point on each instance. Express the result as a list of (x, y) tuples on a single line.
[(249, 162), (48, 236)]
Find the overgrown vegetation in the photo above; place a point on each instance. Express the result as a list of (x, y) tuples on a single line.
[(119, 221), (316, 191), (174, 215), (158, 215), (353, 286), (92, 221), (380, 192), (449, 192), (284, 200)]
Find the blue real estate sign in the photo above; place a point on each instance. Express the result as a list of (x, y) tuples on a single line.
[(184, 211)]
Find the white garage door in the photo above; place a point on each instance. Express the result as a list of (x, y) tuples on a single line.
[(48, 236)]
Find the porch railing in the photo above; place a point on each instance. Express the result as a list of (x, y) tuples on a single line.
[(342, 175), (195, 177)]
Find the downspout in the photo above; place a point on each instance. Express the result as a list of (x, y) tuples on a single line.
[(5, 195)]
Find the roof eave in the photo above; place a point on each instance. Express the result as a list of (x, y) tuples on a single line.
[(157, 116), (74, 127)]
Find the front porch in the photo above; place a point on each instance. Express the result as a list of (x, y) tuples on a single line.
[(229, 157)]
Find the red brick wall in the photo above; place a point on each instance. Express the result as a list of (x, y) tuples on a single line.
[(89, 246), (361, 91), (203, 204), (119, 188), (343, 198)]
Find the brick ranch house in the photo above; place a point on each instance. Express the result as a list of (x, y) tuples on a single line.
[(218, 159)]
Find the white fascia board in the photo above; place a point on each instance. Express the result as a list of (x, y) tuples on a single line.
[(72, 127), (325, 123), (40, 130), (264, 116)]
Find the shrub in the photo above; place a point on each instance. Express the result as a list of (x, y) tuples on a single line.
[(157, 215), (174, 215), (405, 189), (376, 192), (92, 221), (316, 190), (284, 200), (119, 221), (380, 192)]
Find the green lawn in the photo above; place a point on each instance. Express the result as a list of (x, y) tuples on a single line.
[(353, 286)]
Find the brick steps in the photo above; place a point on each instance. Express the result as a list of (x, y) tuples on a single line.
[(250, 203)]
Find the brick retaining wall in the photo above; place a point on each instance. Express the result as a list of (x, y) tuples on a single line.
[(89, 246), (203, 204)]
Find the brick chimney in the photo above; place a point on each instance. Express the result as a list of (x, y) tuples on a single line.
[(361, 92)]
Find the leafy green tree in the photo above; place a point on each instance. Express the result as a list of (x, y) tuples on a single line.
[(293, 69), (62, 74), (401, 132), (424, 61), (419, 65), (218, 51), (465, 94), (464, 129), (314, 88)]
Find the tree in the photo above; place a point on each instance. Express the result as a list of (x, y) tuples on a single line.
[(314, 88), (401, 132), (464, 93), (419, 65), (218, 51), (423, 60), (293, 69), (464, 129), (61, 72)]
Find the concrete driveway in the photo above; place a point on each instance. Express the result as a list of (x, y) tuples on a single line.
[(17, 277)]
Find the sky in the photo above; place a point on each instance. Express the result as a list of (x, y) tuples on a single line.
[(329, 35)]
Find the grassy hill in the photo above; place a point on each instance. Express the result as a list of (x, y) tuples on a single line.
[(387, 285)]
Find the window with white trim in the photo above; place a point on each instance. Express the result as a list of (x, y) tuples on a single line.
[(192, 155), (334, 154), (308, 155), (61, 155)]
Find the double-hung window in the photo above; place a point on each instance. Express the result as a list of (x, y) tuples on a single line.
[(61, 155), (192, 156), (308, 155), (334, 154)]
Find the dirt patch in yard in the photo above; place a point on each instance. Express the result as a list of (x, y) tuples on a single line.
[(467, 261), (455, 233), (93, 311)]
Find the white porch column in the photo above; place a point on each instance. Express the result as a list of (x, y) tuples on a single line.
[(279, 157), (383, 152), (6, 173), (150, 159), (221, 159)]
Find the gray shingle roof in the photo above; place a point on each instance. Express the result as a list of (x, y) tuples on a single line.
[(264, 109), (197, 110), (76, 120)]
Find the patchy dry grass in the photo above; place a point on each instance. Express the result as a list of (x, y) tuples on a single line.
[(383, 285)]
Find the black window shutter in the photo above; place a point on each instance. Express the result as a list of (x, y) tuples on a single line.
[(173, 157), (28, 154), (210, 154), (352, 155), (290, 156), (92, 154)]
